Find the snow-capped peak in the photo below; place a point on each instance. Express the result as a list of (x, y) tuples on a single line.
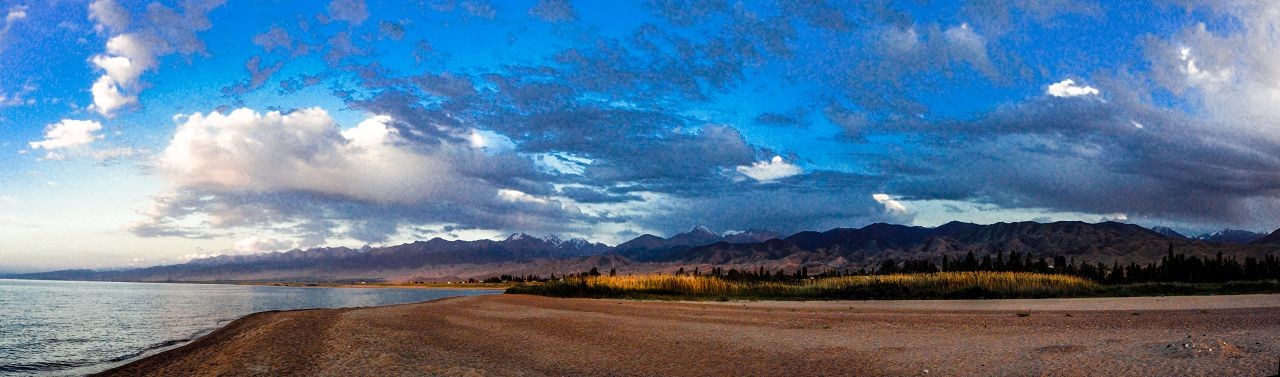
[(701, 229), (518, 236), (577, 242), (552, 239)]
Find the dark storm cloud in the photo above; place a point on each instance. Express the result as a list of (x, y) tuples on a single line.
[(1090, 155), (445, 85), (822, 200), (849, 121), (419, 122), (590, 195), (318, 216)]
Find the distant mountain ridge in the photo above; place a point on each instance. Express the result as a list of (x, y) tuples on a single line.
[(1234, 236), (841, 248), (1270, 239), (870, 245), (650, 247), (1168, 232)]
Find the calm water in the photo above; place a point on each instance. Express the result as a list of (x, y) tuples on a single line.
[(74, 328)]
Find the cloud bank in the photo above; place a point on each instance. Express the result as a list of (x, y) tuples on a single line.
[(637, 130)]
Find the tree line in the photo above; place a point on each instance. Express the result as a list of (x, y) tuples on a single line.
[(1173, 267)]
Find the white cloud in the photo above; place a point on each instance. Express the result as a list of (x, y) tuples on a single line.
[(71, 137), (126, 59), (1231, 77), (16, 13), (115, 153), (371, 132), (1196, 76), (303, 174), (68, 133), (901, 39), (517, 200), (1068, 88), (891, 205), (258, 245), (490, 141), (107, 96), (515, 196), (246, 151), (127, 56), (561, 163), (108, 16), (964, 37), (18, 98), (1119, 217), (477, 140), (969, 46), (767, 171)]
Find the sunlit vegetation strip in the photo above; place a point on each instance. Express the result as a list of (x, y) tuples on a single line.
[(938, 285)]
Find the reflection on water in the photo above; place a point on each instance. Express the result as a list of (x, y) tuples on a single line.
[(72, 328)]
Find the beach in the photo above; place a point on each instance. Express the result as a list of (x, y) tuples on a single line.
[(533, 336)]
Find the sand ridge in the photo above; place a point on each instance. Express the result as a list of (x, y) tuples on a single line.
[(521, 335)]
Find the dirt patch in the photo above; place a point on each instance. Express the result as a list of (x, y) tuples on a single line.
[(1058, 349), (504, 335)]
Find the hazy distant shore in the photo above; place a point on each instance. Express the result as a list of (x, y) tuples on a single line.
[(528, 335)]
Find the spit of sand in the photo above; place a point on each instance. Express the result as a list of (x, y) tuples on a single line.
[(534, 336)]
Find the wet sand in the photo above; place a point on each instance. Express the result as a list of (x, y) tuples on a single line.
[(533, 336)]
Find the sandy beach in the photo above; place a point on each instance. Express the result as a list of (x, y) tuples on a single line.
[(533, 336)]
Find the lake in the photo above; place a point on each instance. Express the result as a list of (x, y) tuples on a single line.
[(75, 328)]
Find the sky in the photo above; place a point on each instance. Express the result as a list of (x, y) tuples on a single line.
[(143, 133)]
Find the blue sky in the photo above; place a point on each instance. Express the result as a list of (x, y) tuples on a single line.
[(141, 133)]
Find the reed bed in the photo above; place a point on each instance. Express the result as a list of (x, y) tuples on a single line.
[(941, 285)]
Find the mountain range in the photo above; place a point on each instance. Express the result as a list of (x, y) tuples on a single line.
[(1235, 236), (841, 248)]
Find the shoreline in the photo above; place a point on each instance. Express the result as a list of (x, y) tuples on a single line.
[(169, 345), (1201, 323), (145, 354)]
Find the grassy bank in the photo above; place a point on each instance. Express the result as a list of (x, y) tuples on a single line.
[(942, 285)]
